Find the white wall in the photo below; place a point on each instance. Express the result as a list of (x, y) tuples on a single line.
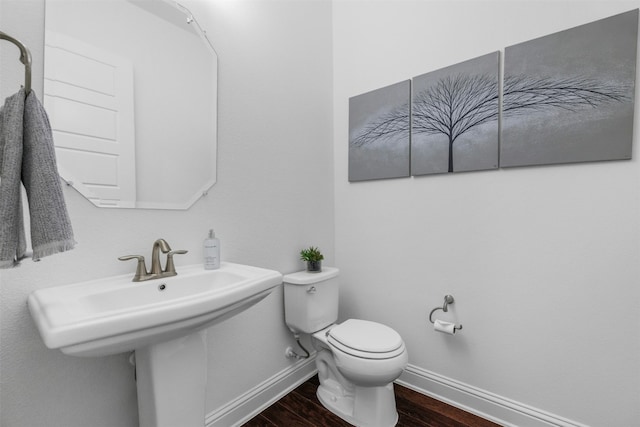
[(274, 195), (542, 261)]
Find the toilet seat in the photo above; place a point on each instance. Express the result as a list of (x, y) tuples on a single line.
[(365, 339)]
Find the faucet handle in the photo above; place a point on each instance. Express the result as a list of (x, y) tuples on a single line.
[(141, 268), (170, 267)]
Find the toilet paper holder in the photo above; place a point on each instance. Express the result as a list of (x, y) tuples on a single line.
[(448, 299)]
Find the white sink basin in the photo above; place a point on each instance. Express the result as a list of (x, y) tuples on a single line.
[(116, 315)]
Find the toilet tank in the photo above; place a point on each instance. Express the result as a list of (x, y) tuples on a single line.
[(311, 300)]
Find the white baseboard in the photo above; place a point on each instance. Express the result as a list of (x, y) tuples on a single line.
[(260, 397), (501, 410)]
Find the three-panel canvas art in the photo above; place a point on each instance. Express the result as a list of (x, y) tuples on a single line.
[(563, 98)]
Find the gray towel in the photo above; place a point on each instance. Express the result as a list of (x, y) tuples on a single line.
[(12, 240), (51, 230)]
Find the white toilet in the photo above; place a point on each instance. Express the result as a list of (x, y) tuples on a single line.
[(357, 360)]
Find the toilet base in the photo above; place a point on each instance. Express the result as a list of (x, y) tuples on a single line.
[(362, 407)]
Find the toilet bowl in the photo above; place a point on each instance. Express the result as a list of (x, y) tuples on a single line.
[(357, 360)]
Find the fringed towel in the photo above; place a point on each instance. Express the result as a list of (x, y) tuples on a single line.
[(51, 230), (12, 240)]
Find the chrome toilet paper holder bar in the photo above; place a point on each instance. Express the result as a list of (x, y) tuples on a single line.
[(448, 299)]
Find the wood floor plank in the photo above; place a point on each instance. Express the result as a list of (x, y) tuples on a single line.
[(279, 415), (312, 410), (259, 421), (308, 389), (422, 407), (411, 415), (301, 408)]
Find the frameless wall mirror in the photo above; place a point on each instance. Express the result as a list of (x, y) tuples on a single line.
[(130, 87)]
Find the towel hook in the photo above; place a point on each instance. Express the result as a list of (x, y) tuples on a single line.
[(25, 58), (448, 299)]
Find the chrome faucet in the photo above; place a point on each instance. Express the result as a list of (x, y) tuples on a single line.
[(156, 271), (158, 245)]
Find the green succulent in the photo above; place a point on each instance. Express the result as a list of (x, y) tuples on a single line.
[(311, 254)]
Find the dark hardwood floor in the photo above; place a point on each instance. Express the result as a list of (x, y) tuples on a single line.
[(301, 408)]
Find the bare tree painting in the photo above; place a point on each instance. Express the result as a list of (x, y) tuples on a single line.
[(569, 96), (455, 118), (566, 97), (379, 133)]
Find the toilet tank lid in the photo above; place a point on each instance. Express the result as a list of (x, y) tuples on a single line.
[(308, 278)]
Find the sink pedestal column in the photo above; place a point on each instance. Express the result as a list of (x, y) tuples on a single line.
[(171, 382)]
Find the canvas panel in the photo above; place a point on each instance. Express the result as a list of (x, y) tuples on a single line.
[(569, 96), (379, 134)]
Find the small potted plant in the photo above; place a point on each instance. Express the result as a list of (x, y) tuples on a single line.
[(313, 257)]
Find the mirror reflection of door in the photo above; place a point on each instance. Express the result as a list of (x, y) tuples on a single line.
[(88, 94), (145, 137)]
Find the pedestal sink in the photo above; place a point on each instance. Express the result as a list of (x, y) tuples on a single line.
[(162, 320)]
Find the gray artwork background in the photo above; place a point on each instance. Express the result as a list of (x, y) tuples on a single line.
[(476, 149), (603, 51), (385, 157)]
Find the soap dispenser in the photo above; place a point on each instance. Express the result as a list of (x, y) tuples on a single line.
[(211, 252)]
